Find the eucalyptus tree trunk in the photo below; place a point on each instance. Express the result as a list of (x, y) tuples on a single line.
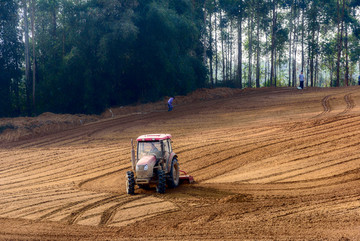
[(27, 56), (239, 67), (216, 50), (302, 40), (273, 36), (222, 50), (204, 34), (295, 41), (317, 60), (290, 33), (258, 49), (250, 20), (340, 39), (346, 56), (211, 51), (34, 56)]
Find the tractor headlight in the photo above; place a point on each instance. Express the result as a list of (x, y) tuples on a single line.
[(146, 167)]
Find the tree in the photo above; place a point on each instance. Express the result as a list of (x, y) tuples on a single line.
[(10, 59)]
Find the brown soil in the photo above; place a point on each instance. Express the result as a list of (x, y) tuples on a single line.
[(269, 164)]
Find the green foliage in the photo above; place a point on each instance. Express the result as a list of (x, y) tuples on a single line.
[(10, 59), (95, 54)]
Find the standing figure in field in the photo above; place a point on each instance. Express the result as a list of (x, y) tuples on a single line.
[(301, 79), (170, 101)]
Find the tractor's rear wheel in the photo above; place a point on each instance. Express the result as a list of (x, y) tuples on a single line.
[(174, 174), (130, 183), (160, 187)]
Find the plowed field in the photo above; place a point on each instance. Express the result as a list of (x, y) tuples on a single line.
[(269, 164)]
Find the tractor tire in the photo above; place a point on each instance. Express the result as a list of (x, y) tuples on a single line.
[(130, 183), (160, 187), (173, 180)]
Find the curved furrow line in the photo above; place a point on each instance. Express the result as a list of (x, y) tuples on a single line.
[(285, 139), (319, 205), (219, 141), (44, 162), (71, 158), (249, 148), (50, 178), (221, 171), (349, 104), (36, 203), (68, 166), (72, 218), (77, 132), (71, 205), (325, 102), (24, 159), (108, 214), (156, 213), (39, 194), (41, 207), (302, 168)]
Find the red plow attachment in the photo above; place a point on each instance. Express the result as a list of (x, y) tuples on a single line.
[(185, 178)]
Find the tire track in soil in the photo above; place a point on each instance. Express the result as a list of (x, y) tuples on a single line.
[(349, 104), (71, 219), (325, 102), (252, 149)]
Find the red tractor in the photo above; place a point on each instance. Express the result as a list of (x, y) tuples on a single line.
[(155, 164)]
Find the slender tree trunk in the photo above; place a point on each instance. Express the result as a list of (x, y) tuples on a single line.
[(290, 33), (230, 51), (34, 56), (27, 57), (339, 44), (204, 35), (240, 50), (258, 49), (296, 11), (346, 56), (273, 36), (302, 39), (275, 68), (312, 55), (211, 51), (317, 59), (266, 62), (222, 51), (216, 50), (250, 48)]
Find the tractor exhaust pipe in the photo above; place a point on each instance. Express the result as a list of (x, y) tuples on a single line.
[(132, 155)]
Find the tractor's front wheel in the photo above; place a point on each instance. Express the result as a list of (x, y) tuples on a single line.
[(174, 174), (160, 187), (130, 183)]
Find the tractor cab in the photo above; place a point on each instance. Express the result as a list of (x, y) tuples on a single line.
[(155, 144)]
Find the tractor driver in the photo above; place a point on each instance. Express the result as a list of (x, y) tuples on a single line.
[(153, 148)]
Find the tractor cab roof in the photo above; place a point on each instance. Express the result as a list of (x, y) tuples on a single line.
[(154, 137)]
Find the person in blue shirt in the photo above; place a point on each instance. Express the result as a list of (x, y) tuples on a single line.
[(170, 101), (359, 80), (301, 79)]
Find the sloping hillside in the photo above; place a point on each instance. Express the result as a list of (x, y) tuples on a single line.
[(271, 163)]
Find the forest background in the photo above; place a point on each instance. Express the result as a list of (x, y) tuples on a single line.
[(82, 56)]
